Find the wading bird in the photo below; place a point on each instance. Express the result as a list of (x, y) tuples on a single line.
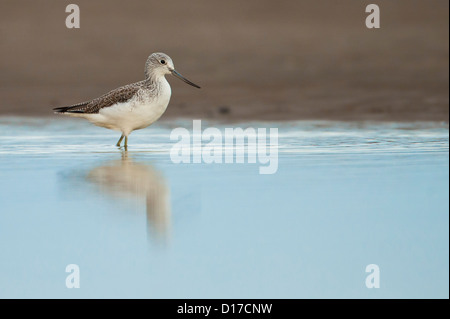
[(133, 106)]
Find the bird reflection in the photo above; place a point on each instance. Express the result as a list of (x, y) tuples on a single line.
[(128, 178)]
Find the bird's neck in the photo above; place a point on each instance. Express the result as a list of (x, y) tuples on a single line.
[(154, 78)]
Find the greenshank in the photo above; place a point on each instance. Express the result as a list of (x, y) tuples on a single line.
[(133, 106)]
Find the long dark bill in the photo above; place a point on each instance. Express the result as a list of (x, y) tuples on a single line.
[(178, 75)]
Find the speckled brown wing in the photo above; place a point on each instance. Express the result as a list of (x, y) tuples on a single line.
[(118, 95)]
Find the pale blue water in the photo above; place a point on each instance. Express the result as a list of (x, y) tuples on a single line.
[(344, 196)]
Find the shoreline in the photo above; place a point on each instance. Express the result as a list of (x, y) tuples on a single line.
[(170, 121), (256, 60)]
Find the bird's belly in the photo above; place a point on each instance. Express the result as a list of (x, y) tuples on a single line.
[(129, 116), (145, 114)]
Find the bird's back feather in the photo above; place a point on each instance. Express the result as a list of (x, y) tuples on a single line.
[(119, 95)]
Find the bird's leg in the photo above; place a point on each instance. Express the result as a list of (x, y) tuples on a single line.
[(120, 140), (126, 142)]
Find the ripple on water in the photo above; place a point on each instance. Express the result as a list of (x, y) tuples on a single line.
[(61, 135)]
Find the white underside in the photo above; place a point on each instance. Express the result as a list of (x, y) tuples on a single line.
[(133, 115)]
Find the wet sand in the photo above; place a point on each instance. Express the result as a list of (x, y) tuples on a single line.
[(255, 60)]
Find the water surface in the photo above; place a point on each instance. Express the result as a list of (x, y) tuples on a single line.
[(139, 226)]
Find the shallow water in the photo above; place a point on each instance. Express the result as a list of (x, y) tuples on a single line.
[(345, 195)]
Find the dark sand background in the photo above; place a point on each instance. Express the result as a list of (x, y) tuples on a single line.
[(255, 60)]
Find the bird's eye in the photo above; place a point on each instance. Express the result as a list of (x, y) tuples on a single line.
[(163, 62)]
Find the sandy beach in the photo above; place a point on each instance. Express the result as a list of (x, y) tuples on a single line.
[(255, 60)]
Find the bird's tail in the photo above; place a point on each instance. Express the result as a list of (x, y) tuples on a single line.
[(76, 108)]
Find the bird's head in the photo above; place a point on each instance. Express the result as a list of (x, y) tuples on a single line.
[(159, 64)]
